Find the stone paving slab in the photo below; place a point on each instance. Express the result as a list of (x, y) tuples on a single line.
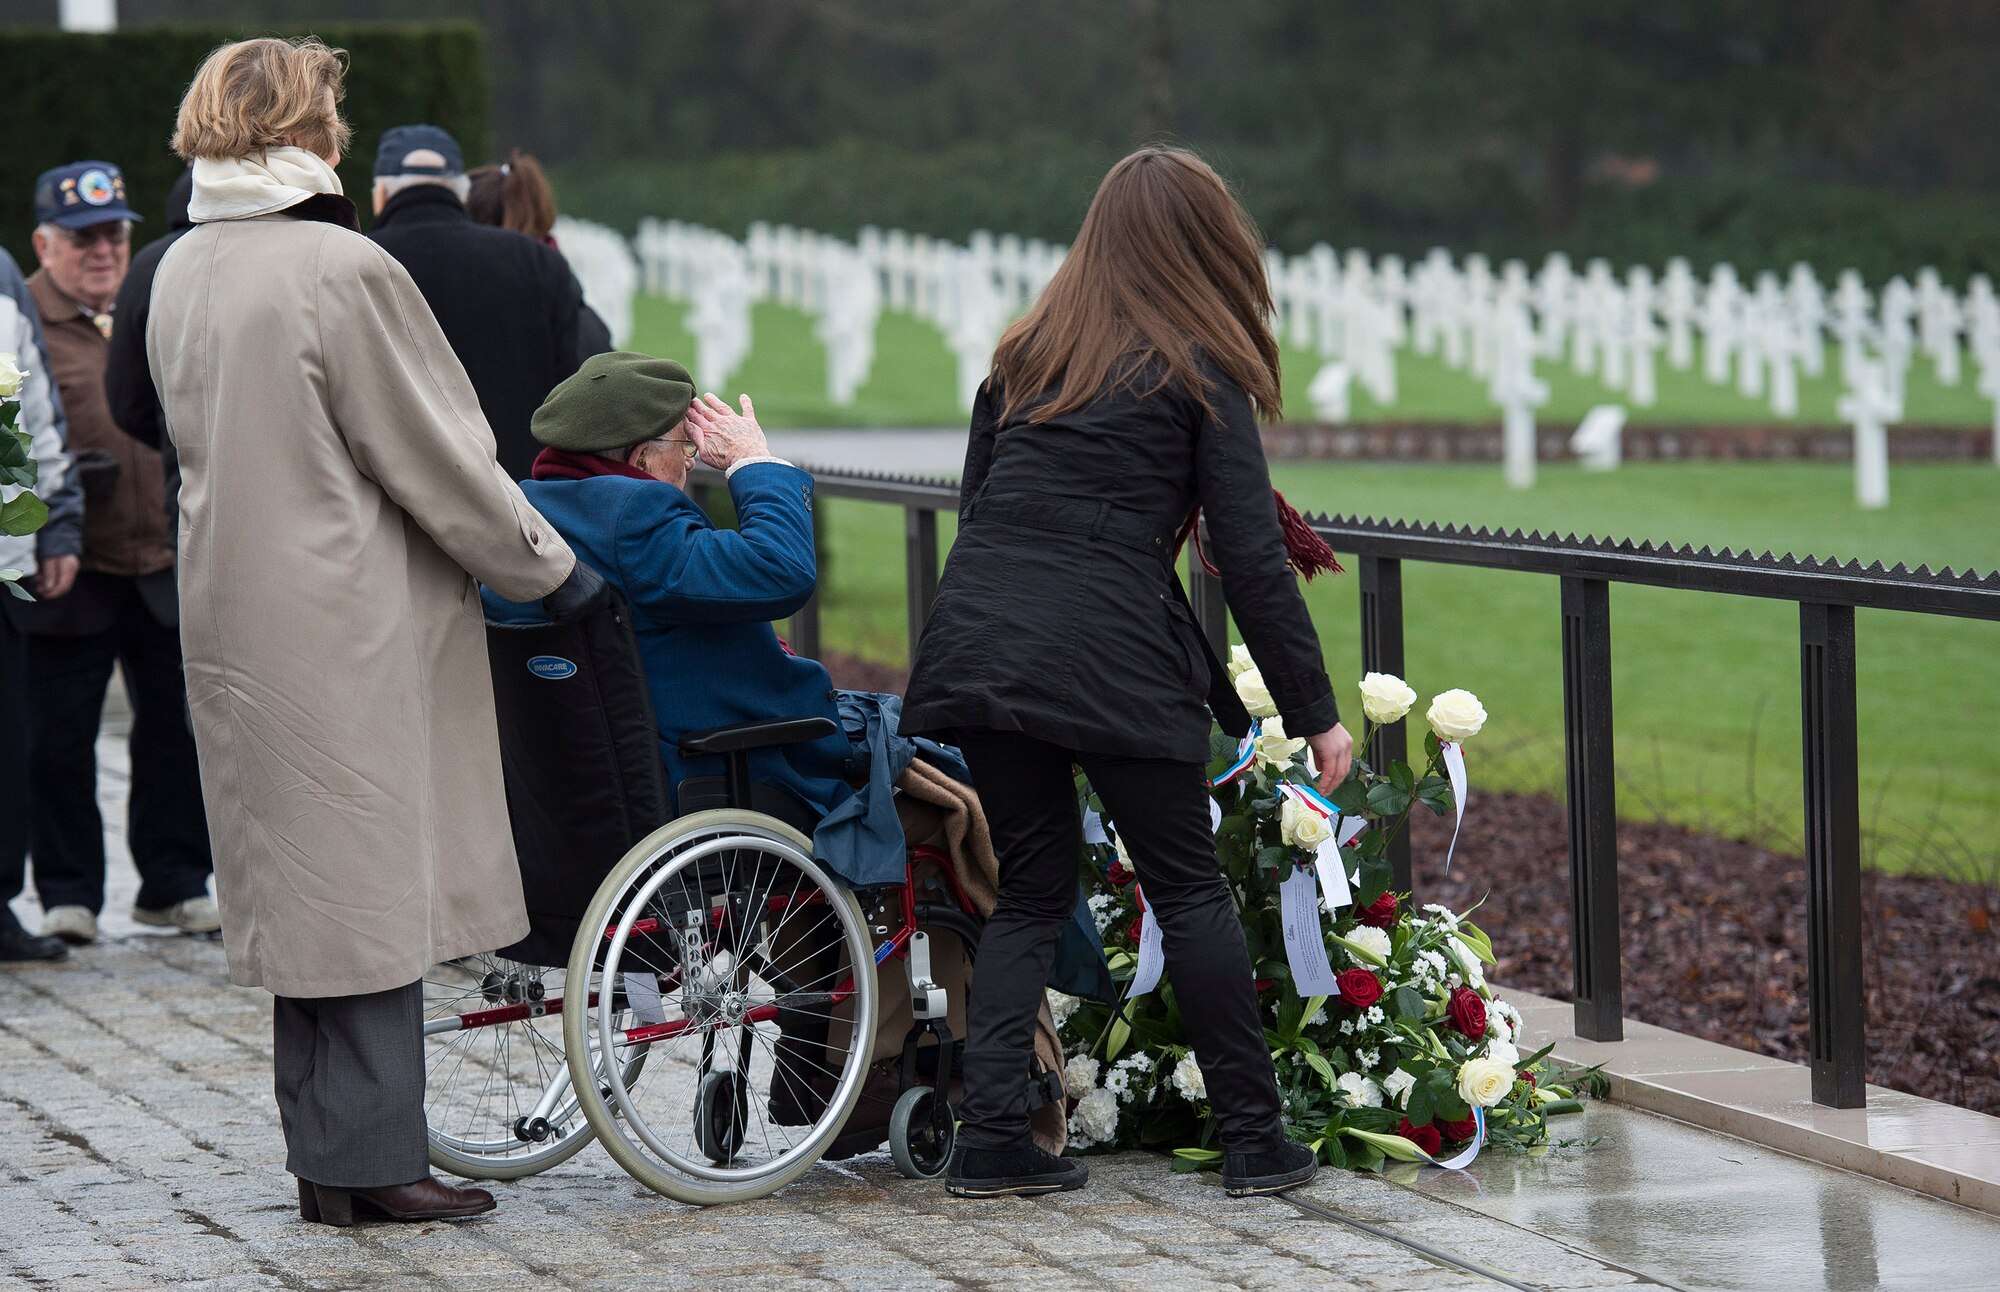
[(139, 1148)]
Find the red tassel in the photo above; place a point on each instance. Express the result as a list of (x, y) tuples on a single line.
[(1306, 551)]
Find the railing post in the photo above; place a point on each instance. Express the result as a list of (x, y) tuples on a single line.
[(1593, 811), (1205, 599), (805, 628), (1382, 652), (1835, 1002), (920, 554)]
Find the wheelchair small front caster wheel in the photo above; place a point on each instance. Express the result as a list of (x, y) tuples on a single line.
[(719, 1111), (921, 1132)]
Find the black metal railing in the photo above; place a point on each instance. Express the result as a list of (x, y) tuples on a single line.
[(1826, 593)]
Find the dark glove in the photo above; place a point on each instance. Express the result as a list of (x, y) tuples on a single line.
[(97, 472), (582, 592)]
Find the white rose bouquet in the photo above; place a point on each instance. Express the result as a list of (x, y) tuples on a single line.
[(21, 512)]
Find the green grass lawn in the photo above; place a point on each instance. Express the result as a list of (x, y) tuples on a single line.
[(914, 382), (1706, 686)]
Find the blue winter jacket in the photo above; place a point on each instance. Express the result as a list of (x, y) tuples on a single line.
[(702, 601)]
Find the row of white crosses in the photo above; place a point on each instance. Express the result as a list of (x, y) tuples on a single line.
[(968, 292), (603, 263)]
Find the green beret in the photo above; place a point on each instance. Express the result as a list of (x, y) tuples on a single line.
[(612, 402)]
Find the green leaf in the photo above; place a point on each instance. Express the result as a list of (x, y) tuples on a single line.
[(1331, 1152), (22, 514), (1450, 1106), (1423, 1105), (1402, 777), (1388, 800), (1115, 1041), (1409, 1002), (1475, 937), (1360, 952), (1432, 746), (1325, 1069), (1198, 1154), (12, 578), (1350, 796)]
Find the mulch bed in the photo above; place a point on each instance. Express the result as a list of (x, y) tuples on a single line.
[(1714, 935)]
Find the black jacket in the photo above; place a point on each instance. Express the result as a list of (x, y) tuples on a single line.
[(1059, 614), (128, 378), (507, 303)]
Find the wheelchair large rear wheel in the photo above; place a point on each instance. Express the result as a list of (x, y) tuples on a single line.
[(750, 977)]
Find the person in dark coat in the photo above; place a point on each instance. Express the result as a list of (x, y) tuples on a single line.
[(620, 440), (508, 305), (1126, 398), (517, 195), (128, 378)]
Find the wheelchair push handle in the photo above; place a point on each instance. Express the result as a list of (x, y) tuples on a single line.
[(736, 743)]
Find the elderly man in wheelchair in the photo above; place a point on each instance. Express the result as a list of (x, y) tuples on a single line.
[(700, 989)]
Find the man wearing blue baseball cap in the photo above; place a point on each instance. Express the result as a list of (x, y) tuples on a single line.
[(507, 304), (121, 611)]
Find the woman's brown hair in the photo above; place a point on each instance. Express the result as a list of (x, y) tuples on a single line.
[(264, 93), (1167, 269), (515, 195)]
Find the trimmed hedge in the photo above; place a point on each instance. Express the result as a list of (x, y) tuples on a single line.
[(112, 96)]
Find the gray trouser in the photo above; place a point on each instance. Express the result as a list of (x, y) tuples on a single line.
[(350, 1082)]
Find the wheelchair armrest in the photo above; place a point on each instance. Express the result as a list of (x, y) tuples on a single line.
[(756, 735)]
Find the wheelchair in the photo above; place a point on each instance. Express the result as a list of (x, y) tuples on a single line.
[(701, 995)]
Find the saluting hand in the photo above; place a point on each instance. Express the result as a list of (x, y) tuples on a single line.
[(1333, 753), (721, 435)]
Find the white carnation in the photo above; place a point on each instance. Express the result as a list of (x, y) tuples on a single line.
[(1397, 1086), (1061, 1007), (1188, 1080), (1505, 1052), (1358, 1091), (1372, 940), (1079, 1076), (1095, 1120), (1318, 1017), (1497, 1027)]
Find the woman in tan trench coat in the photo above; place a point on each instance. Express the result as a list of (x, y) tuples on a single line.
[(339, 499)]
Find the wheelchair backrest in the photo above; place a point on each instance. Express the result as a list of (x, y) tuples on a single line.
[(580, 749)]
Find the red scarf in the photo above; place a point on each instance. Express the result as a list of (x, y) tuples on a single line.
[(561, 464), (1305, 549)]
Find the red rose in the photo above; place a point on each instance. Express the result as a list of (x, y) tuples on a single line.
[(1359, 988), (1467, 1012), (1528, 1077), (1380, 913), (1132, 929), (1424, 1137), (1119, 873), (1462, 1132)]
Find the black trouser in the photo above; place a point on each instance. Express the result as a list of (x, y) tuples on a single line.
[(165, 823), (13, 768), (1160, 809), (349, 1074)]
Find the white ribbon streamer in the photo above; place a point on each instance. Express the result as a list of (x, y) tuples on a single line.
[(1152, 952), (1305, 940), (1454, 766), (1463, 1158)]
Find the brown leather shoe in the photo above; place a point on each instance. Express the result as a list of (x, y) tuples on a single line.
[(427, 1199)]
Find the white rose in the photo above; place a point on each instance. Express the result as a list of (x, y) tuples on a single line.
[(1358, 1091), (1456, 715), (1096, 1116), (1240, 661), (1080, 1076), (1372, 940), (1386, 697), (1189, 1081), (1302, 827), (1061, 1007), (1505, 1052), (1255, 695), (1274, 747), (11, 375), (1397, 1086), (1484, 1082)]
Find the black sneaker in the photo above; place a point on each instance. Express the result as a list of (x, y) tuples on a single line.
[(1245, 1175), (1011, 1173)]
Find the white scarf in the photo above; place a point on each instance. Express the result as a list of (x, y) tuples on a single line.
[(237, 188)]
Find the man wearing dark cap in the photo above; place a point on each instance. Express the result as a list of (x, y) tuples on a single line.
[(621, 435), (121, 610), (507, 304)]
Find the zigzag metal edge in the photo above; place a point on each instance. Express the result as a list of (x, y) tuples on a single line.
[(1728, 557), (1788, 563)]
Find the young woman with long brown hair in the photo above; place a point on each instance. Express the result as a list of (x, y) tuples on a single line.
[(1123, 401)]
